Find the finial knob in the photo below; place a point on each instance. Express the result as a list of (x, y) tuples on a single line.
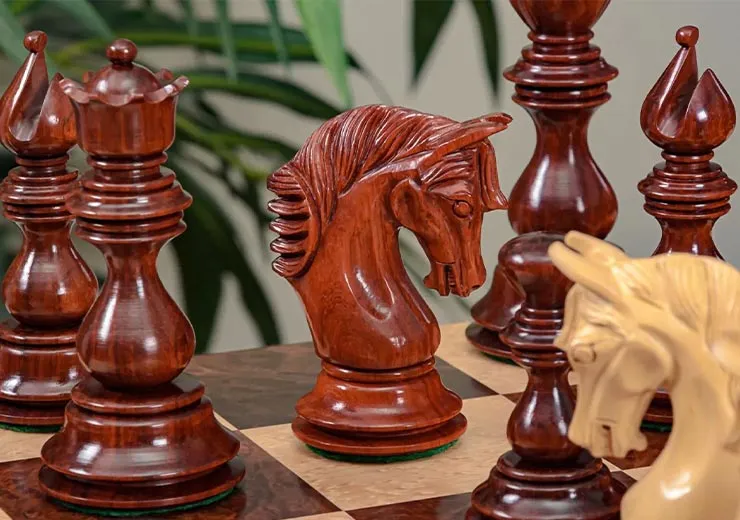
[(35, 41), (687, 36), (122, 52)]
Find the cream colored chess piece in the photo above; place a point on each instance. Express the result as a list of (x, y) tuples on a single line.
[(632, 325)]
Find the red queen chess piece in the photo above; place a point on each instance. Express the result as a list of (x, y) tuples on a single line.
[(341, 201), (138, 433), (47, 289)]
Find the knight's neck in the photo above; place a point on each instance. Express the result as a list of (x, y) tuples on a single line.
[(357, 294)]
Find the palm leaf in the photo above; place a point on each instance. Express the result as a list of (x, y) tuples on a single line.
[(322, 22), (11, 35), (227, 38), (84, 13), (487, 23), (276, 31), (428, 20)]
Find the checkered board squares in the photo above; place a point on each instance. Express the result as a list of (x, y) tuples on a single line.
[(254, 393)]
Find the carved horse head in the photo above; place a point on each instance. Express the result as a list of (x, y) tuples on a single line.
[(434, 176), (632, 325)]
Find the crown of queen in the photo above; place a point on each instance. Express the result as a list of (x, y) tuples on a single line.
[(124, 109)]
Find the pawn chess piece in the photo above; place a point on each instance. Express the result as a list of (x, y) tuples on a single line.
[(632, 325), (544, 475), (688, 117), (139, 434), (341, 201), (48, 288), (560, 80)]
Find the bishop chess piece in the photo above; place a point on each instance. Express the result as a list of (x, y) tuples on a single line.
[(48, 288), (688, 117), (560, 80), (138, 434), (634, 324), (341, 201)]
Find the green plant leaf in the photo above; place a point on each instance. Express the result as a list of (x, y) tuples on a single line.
[(276, 31), (85, 14), (227, 38), (428, 18), (11, 35), (224, 246), (264, 88), (20, 6), (322, 21), (486, 13), (191, 22)]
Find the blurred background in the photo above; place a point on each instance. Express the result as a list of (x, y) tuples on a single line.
[(265, 73)]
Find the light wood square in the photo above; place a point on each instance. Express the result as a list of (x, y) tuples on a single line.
[(20, 446), (503, 378), (637, 473), (339, 515), (356, 486), (4, 515)]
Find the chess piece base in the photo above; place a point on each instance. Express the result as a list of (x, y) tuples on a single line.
[(391, 445), (142, 495), (660, 410), (379, 413), (122, 450), (488, 342), (545, 494), (38, 369)]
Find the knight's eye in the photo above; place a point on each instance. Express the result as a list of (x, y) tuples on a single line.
[(461, 208)]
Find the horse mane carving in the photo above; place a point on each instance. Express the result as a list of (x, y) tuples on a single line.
[(358, 143), (702, 292)]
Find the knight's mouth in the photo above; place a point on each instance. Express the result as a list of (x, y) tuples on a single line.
[(445, 278)]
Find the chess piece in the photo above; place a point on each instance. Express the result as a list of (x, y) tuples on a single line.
[(138, 434), (544, 475), (341, 201), (687, 117), (48, 288), (632, 325), (561, 79)]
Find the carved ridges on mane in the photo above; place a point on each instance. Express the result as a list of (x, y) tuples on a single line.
[(340, 151)]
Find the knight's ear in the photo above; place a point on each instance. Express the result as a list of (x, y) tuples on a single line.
[(407, 203)]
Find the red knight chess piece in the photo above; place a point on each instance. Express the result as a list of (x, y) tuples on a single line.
[(139, 433), (341, 201)]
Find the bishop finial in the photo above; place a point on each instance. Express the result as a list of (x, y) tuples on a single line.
[(36, 118), (683, 113)]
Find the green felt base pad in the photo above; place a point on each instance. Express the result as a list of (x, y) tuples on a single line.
[(500, 359), (30, 429), (371, 459), (655, 427), (132, 513)]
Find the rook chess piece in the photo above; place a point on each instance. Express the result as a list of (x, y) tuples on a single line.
[(48, 288), (561, 79), (341, 201), (634, 324), (138, 433), (687, 117)]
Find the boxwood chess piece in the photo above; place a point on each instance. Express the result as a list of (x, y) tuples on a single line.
[(341, 201), (632, 325), (48, 288), (138, 434)]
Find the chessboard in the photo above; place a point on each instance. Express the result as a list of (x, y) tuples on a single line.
[(254, 393)]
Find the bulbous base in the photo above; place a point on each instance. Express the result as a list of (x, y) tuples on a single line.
[(546, 493), (382, 413), (130, 451), (488, 342), (38, 370)]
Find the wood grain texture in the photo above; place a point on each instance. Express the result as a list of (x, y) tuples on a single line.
[(47, 288), (544, 475), (136, 435), (341, 201), (687, 116), (560, 80)]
